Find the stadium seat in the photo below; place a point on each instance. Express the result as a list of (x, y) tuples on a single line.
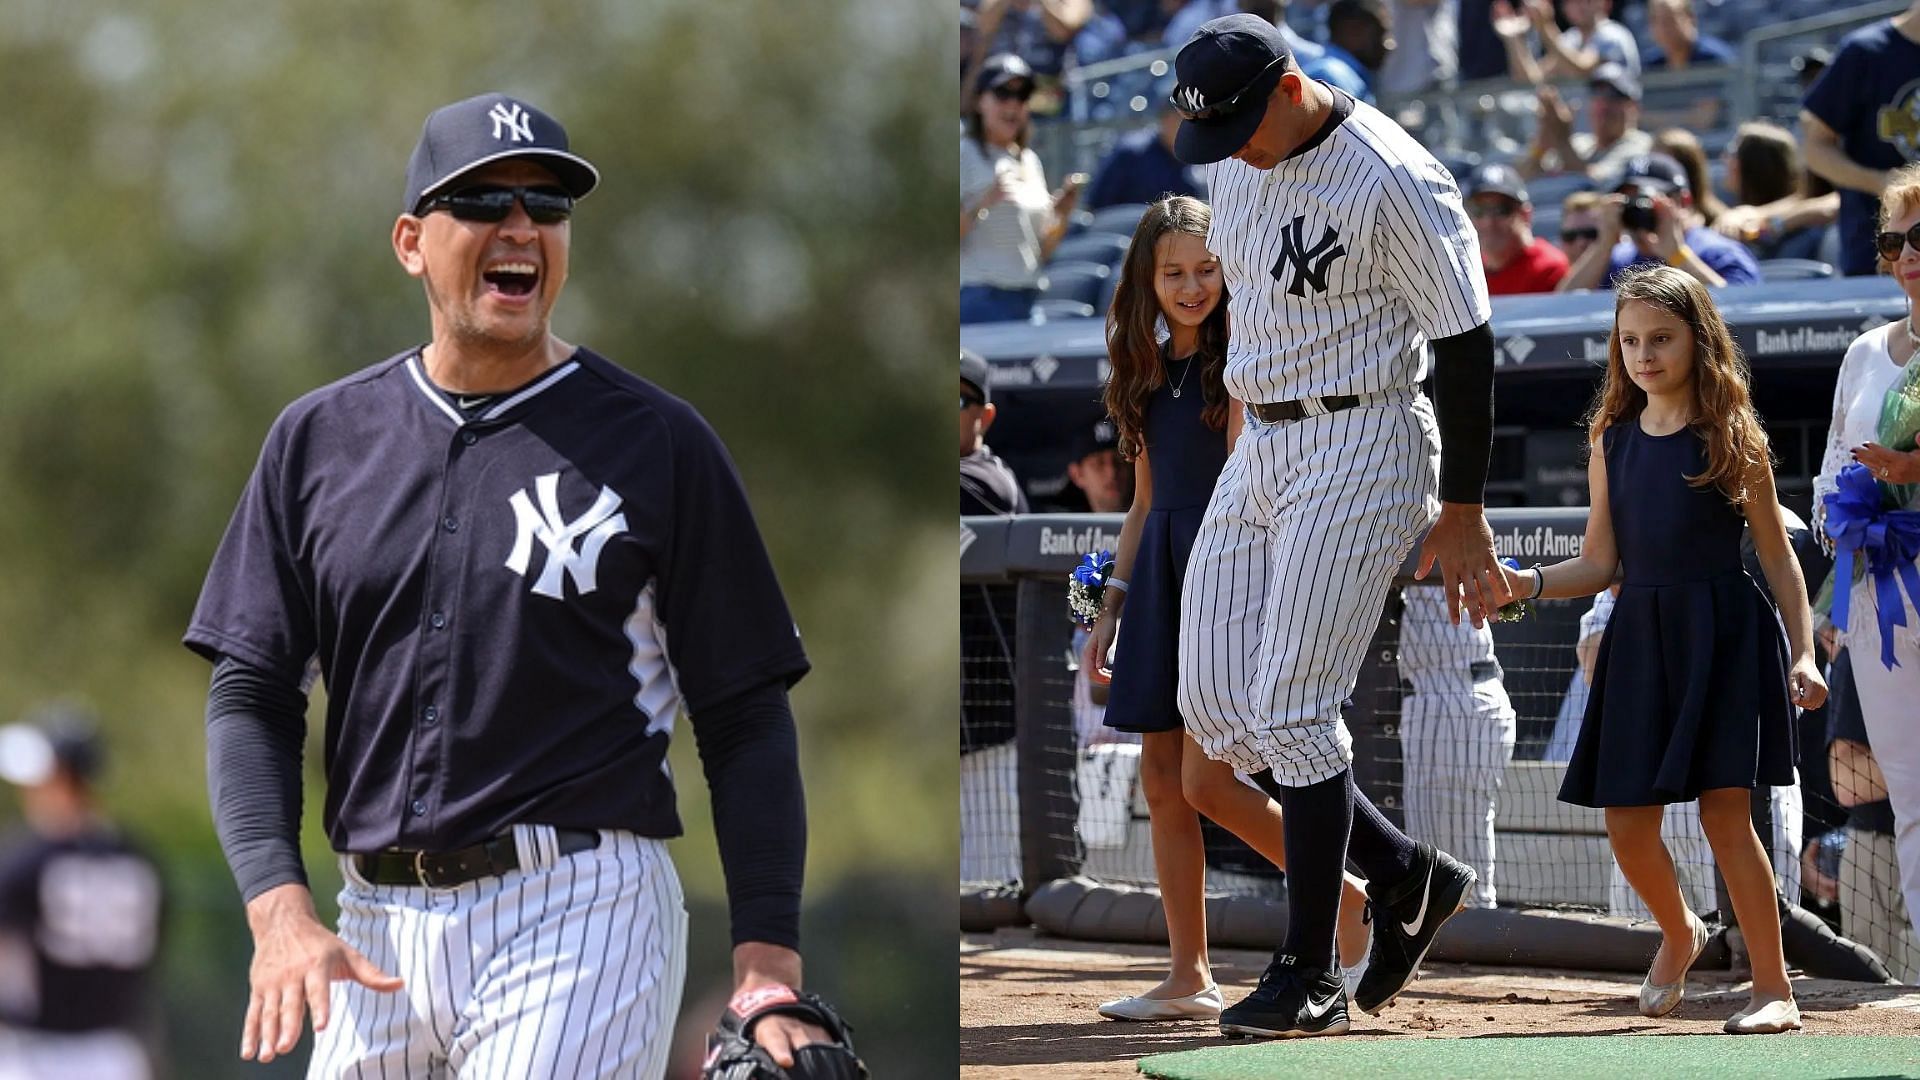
[(1100, 247), (1054, 310), (1079, 281), (1118, 219), (1794, 269)]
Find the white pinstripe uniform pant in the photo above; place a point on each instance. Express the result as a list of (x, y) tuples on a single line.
[(569, 967), (1307, 525)]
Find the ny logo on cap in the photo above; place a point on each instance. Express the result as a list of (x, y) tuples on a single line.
[(1189, 99), (517, 121), (546, 524)]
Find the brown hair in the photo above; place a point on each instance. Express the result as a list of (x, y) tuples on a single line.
[(1900, 196), (1722, 402), (1578, 201), (1769, 163), (1681, 145), (1132, 345)]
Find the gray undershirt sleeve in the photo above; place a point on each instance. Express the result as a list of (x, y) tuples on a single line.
[(256, 736)]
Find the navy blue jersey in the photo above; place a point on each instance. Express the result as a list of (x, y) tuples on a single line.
[(88, 908), (1870, 97), (508, 611)]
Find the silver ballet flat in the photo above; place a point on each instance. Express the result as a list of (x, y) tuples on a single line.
[(1769, 1019), (1204, 1005), (1660, 1000)]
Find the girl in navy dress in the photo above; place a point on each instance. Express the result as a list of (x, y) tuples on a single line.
[(1177, 424), (1693, 690)]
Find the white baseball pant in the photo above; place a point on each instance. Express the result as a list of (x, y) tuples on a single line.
[(1307, 525), (570, 966)]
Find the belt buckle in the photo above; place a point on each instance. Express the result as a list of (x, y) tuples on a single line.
[(1313, 406), (420, 869)]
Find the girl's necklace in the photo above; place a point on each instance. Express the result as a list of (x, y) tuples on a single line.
[(1913, 338), (1189, 367)]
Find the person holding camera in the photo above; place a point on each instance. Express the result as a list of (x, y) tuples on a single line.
[(1650, 218)]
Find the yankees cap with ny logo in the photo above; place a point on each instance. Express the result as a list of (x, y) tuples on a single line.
[(465, 135), (1226, 72)]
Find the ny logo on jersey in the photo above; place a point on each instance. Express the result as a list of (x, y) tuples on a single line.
[(517, 122), (1309, 263), (597, 526)]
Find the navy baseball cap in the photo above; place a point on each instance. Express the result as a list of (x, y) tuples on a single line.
[(1001, 69), (465, 135), (1652, 172), (1101, 435), (1226, 71), (1497, 180), (49, 738), (974, 372), (1614, 76)]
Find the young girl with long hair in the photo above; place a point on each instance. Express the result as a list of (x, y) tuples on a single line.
[(1176, 424), (1693, 690)]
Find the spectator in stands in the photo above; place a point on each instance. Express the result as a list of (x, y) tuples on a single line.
[(1579, 224), (1681, 145), (1773, 213), (1359, 37), (1096, 473), (987, 485), (1456, 733), (1426, 49), (1879, 370), (1193, 13), (1661, 228), (1040, 32), (1678, 42), (1516, 261), (1592, 40), (1872, 910), (1613, 112), (1009, 223), (1141, 167), (1862, 119), (1483, 53)]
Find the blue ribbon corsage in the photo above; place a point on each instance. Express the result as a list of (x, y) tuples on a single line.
[(1858, 520), (1087, 587), (1513, 610)]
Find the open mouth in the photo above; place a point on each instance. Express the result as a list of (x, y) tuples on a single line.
[(516, 280)]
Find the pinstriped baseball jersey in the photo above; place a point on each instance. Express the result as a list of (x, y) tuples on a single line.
[(1342, 261)]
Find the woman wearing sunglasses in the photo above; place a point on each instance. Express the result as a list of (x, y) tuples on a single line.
[(1876, 415), (1009, 222)]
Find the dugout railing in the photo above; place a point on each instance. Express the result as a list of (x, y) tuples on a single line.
[(1054, 828)]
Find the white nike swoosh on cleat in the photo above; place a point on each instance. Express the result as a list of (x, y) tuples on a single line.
[(1319, 1009), (1420, 917)]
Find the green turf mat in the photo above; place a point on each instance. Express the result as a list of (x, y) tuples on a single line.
[(1612, 1057)]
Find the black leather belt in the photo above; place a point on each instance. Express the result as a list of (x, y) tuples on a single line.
[(1486, 669), (1280, 412), (445, 869)]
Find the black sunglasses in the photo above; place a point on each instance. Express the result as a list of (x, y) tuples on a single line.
[(1890, 243), (1568, 236), (1187, 100), (492, 203), (968, 401), (1012, 93)]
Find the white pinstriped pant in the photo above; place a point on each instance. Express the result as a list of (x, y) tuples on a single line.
[(1307, 525), (569, 967)]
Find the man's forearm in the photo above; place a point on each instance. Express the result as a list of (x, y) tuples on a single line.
[(1590, 269), (750, 755), (1829, 161), (256, 734), (1463, 407), (1690, 261)]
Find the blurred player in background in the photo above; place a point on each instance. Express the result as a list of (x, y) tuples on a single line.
[(80, 912)]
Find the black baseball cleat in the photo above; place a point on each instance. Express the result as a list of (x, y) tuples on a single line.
[(1405, 918), (1291, 1002)]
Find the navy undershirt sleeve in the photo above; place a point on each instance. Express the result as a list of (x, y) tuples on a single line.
[(751, 757), (1463, 406), (256, 736)]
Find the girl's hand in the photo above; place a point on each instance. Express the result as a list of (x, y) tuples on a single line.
[(1891, 466), (1804, 684), (1093, 658)]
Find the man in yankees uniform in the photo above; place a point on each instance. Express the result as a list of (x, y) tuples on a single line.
[(1347, 252), (80, 913), (511, 562)]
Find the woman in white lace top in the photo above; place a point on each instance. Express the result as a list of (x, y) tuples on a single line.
[(1876, 365)]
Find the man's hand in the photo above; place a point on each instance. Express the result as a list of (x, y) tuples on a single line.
[(1509, 23), (757, 964), (1669, 231), (295, 960), (1461, 541)]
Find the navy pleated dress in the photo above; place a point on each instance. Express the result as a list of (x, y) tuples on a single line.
[(1185, 458), (1690, 688)]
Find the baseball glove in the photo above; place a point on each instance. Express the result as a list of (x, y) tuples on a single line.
[(733, 1055)]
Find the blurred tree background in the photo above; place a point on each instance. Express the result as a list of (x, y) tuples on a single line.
[(206, 191)]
